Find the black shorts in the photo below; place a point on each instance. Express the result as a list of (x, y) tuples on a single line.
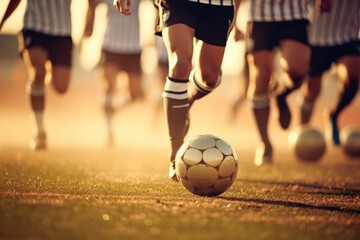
[(59, 48), (267, 35), (130, 63), (323, 57), (212, 24)]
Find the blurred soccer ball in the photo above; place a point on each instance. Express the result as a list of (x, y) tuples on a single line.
[(350, 139), (307, 143), (206, 165)]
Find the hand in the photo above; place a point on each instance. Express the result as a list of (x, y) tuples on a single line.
[(239, 35), (323, 6), (123, 6)]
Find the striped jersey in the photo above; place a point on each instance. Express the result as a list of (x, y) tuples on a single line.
[(122, 33), (215, 2), (339, 26), (48, 16), (278, 10)]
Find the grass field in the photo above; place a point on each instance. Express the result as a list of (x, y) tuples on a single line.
[(80, 189), (117, 194)]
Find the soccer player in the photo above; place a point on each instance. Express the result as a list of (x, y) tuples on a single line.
[(182, 22), (275, 25), (334, 38), (45, 37), (121, 51)]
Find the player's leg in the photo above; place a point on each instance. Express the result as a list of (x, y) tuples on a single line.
[(34, 52), (348, 69), (311, 89), (296, 53), (109, 89), (206, 76), (320, 61), (133, 68), (60, 55), (178, 39), (260, 65)]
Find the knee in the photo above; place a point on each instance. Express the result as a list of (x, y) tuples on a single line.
[(38, 74), (61, 79), (181, 68), (60, 85), (297, 74)]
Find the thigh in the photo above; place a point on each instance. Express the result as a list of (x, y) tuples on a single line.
[(350, 64), (33, 48), (178, 40), (350, 58), (260, 70), (297, 57), (209, 63), (294, 47)]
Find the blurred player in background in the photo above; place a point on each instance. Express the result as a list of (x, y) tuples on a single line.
[(181, 23), (240, 36), (275, 25), (45, 38), (121, 51), (334, 38)]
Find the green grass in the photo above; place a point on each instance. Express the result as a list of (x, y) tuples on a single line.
[(125, 194)]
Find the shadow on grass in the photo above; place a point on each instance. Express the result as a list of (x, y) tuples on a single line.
[(328, 190), (293, 204)]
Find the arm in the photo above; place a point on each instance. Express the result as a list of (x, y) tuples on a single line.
[(90, 18), (123, 6), (239, 35), (10, 9)]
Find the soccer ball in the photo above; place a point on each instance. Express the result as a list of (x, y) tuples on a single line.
[(206, 165), (307, 143), (350, 139)]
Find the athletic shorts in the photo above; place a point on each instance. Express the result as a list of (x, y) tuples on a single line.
[(323, 57), (212, 24), (130, 63), (268, 35), (59, 48)]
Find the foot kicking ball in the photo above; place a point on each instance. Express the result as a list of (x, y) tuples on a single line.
[(206, 165), (307, 143), (350, 140)]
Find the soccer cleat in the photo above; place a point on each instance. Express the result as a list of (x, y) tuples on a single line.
[(334, 130), (172, 173), (263, 155), (39, 142), (284, 112)]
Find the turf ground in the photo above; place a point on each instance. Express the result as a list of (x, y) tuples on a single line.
[(81, 189)]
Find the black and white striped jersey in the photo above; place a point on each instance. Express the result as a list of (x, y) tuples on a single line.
[(51, 17), (122, 34), (278, 10), (339, 26), (215, 2)]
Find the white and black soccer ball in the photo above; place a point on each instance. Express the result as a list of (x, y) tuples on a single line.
[(206, 165), (308, 143)]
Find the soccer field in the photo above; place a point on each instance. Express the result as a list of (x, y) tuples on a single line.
[(81, 189), (125, 194)]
